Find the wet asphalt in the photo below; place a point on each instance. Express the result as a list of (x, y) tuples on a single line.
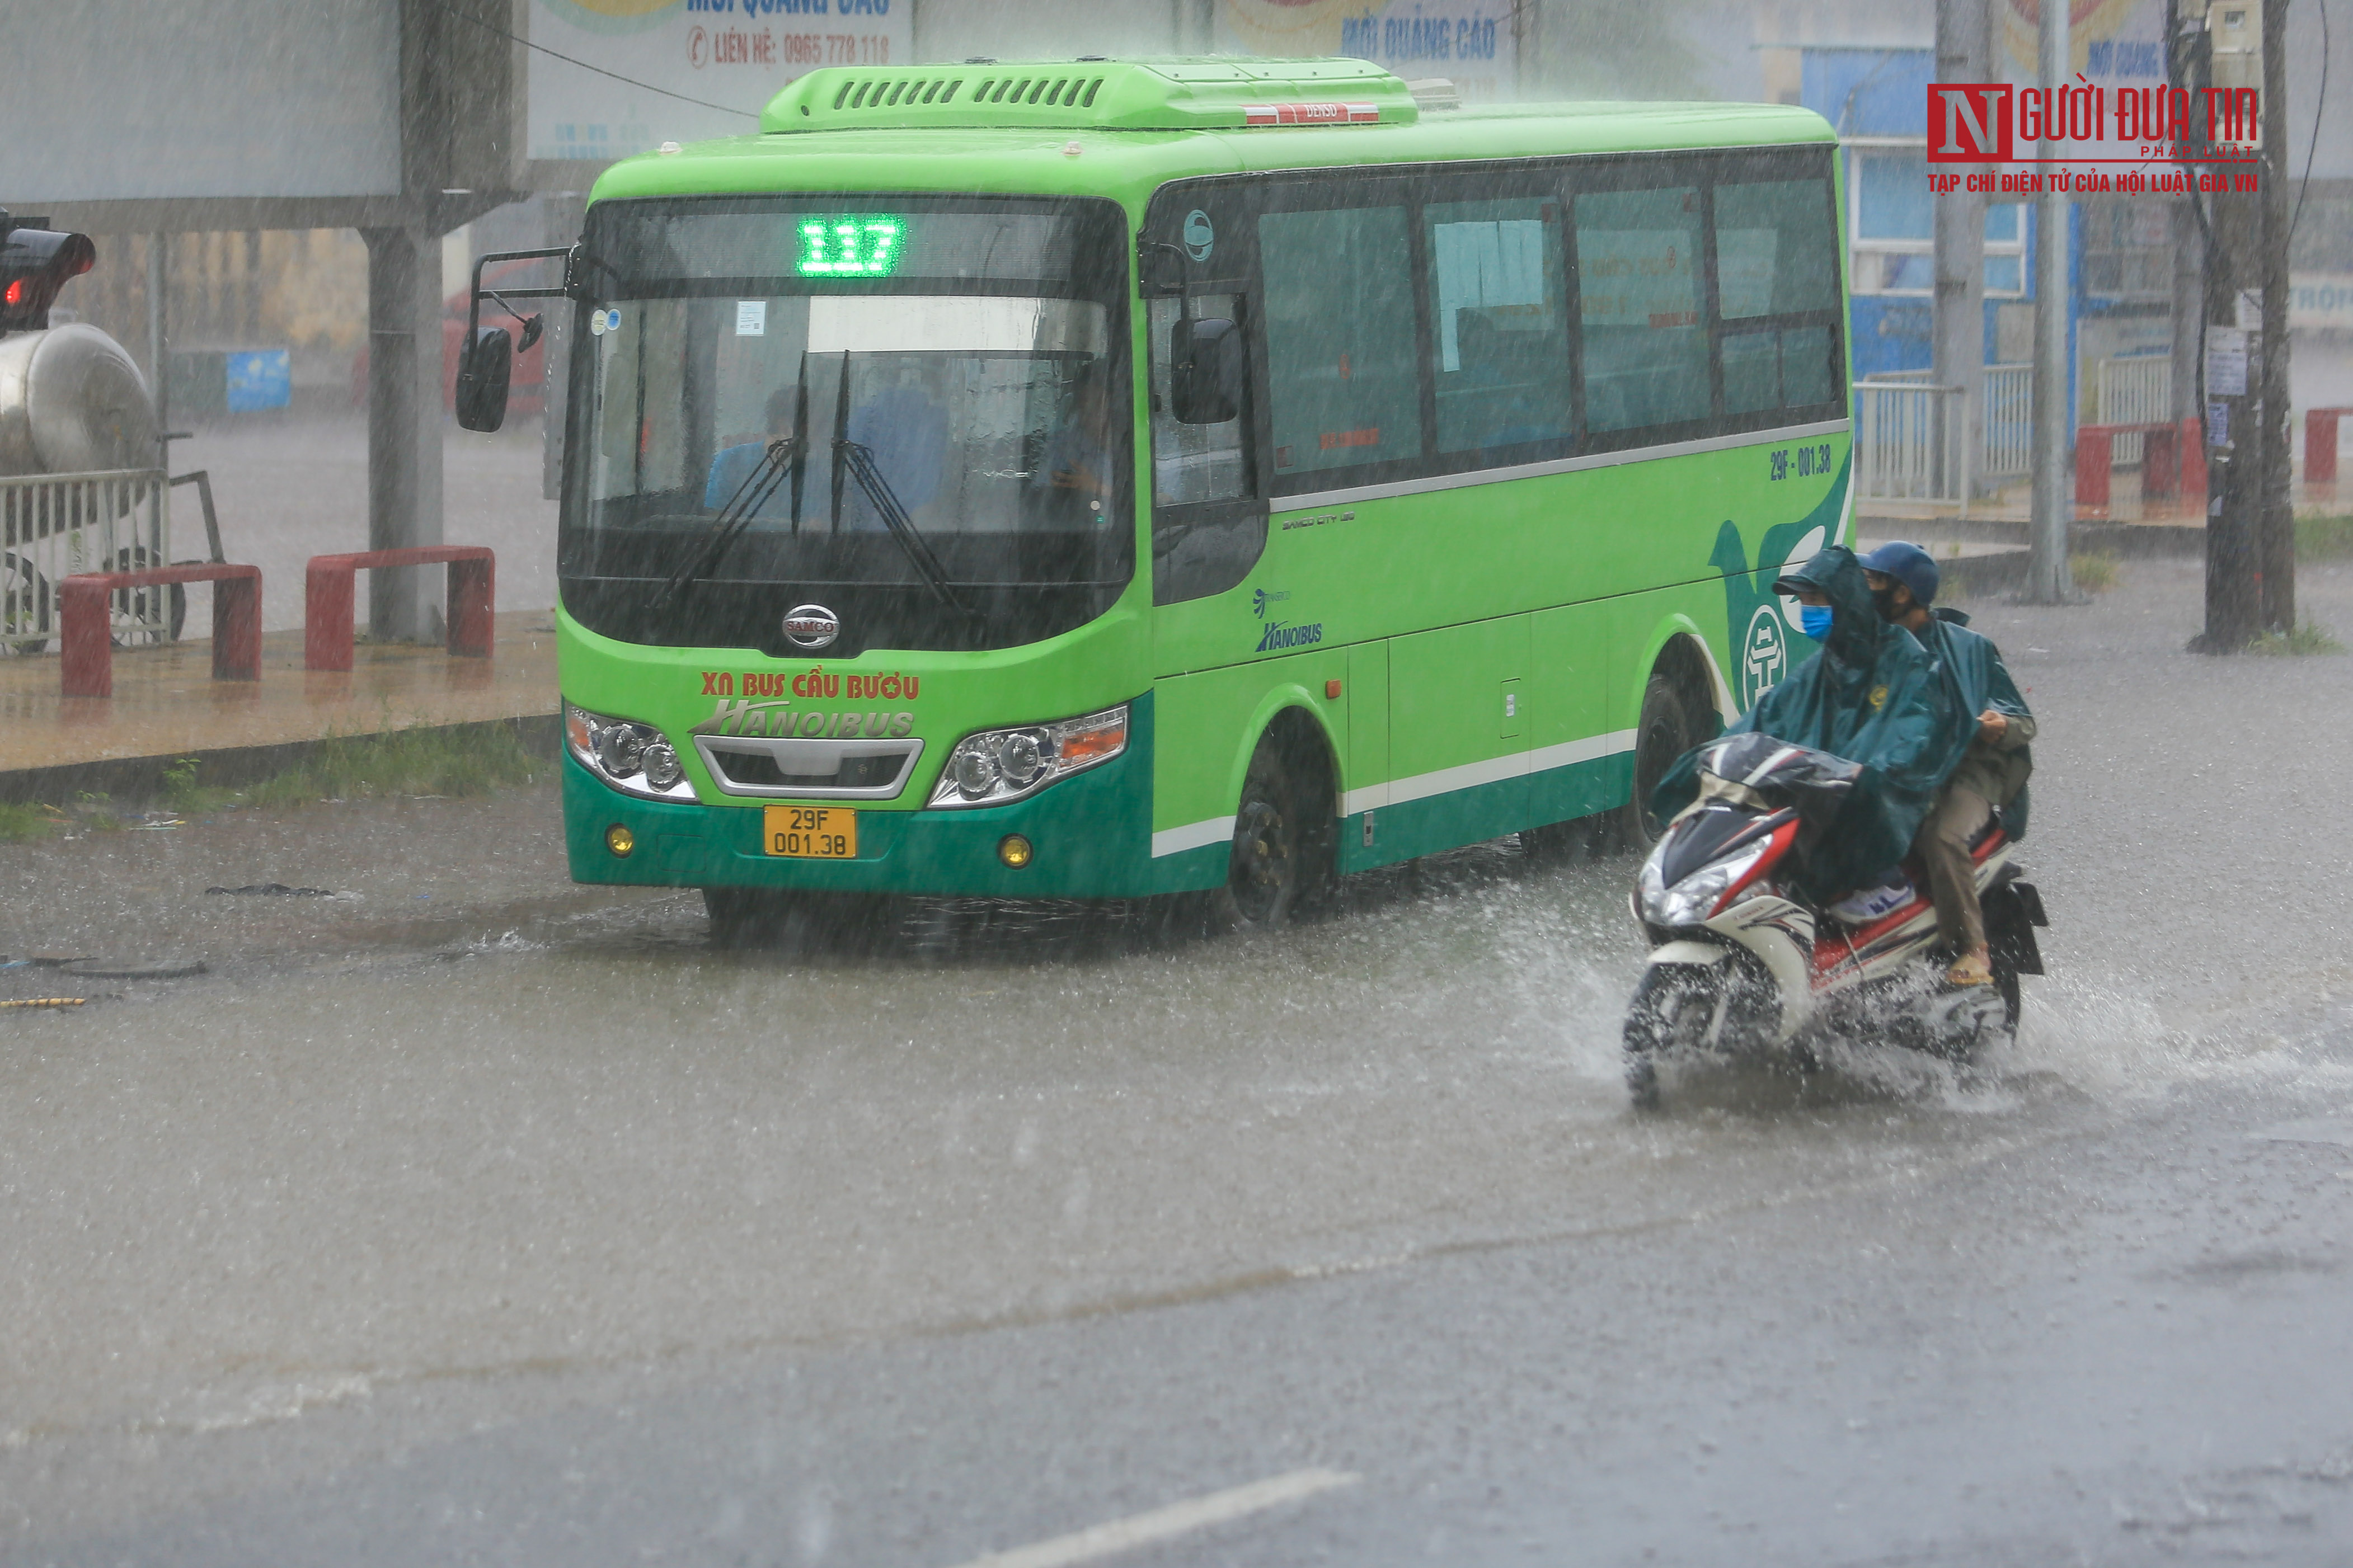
[(469, 1215)]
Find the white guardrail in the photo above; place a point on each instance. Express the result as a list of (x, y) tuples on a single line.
[(1907, 442), (54, 526), (2007, 422)]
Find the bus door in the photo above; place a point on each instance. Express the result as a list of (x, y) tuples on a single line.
[(1208, 507)]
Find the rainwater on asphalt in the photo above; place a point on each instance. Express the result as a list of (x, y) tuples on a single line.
[(465, 1131)]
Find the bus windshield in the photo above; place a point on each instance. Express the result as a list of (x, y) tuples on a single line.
[(955, 365)]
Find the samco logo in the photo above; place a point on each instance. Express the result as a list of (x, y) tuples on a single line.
[(1764, 655)]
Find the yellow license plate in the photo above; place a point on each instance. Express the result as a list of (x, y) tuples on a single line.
[(811, 832)]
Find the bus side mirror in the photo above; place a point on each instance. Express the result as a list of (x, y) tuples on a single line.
[(482, 376), (1208, 368)]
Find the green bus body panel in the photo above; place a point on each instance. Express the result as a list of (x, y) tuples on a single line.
[(1556, 590), (1572, 561)]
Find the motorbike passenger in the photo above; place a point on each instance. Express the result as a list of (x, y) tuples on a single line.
[(1991, 774), (1873, 696)]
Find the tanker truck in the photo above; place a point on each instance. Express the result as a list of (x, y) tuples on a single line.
[(81, 486)]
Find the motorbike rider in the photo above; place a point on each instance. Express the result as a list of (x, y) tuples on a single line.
[(1991, 774), (1873, 696)]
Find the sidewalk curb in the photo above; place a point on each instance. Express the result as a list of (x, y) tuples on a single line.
[(141, 778)]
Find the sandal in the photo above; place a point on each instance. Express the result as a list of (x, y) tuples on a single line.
[(1970, 969)]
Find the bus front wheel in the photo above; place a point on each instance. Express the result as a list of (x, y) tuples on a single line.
[(1282, 861)]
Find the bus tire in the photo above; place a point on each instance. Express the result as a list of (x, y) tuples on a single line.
[(1282, 865), (1665, 732)]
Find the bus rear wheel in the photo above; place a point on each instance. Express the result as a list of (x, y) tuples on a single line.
[(1666, 730), (1282, 861)]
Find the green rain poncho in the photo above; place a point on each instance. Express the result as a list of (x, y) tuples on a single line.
[(1873, 696), (1979, 680)]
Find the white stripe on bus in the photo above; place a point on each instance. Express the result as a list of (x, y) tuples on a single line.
[(1420, 787), (1284, 505)]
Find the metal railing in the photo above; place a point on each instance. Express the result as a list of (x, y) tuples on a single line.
[(1907, 442), (2007, 420), (2135, 391), (53, 526)]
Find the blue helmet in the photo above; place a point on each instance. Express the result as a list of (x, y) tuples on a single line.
[(1908, 565)]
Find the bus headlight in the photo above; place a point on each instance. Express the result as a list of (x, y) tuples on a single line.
[(991, 767), (634, 758)]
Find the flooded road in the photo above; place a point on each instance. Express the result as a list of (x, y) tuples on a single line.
[(434, 1192)]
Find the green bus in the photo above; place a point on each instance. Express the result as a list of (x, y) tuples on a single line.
[(1110, 479)]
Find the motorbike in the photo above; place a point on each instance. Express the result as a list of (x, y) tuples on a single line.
[(1741, 959)]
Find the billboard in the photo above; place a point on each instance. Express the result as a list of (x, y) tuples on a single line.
[(191, 98), (1469, 42), (707, 67), (2117, 47)]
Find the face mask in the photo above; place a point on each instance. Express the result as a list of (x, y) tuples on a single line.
[(1814, 620)]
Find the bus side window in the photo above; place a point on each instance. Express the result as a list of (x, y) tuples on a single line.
[(1501, 343), (1340, 339), (1776, 284), (1640, 318), (1191, 463), (1208, 527)]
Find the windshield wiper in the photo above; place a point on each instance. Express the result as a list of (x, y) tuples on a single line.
[(782, 458), (859, 459)]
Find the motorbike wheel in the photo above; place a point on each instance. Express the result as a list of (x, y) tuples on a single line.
[(2005, 980), (1672, 1010)]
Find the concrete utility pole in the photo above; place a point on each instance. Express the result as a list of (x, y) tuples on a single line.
[(2275, 514), (403, 424), (2049, 578), (2246, 391), (1964, 53)]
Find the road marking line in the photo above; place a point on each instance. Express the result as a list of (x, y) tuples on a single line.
[(1165, 1523)]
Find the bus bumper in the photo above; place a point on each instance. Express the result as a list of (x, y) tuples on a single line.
[(1091, 835)]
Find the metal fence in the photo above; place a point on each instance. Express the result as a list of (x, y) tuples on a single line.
[(1907, 437), (53, 526), (2007, 421), (1908, 442)]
